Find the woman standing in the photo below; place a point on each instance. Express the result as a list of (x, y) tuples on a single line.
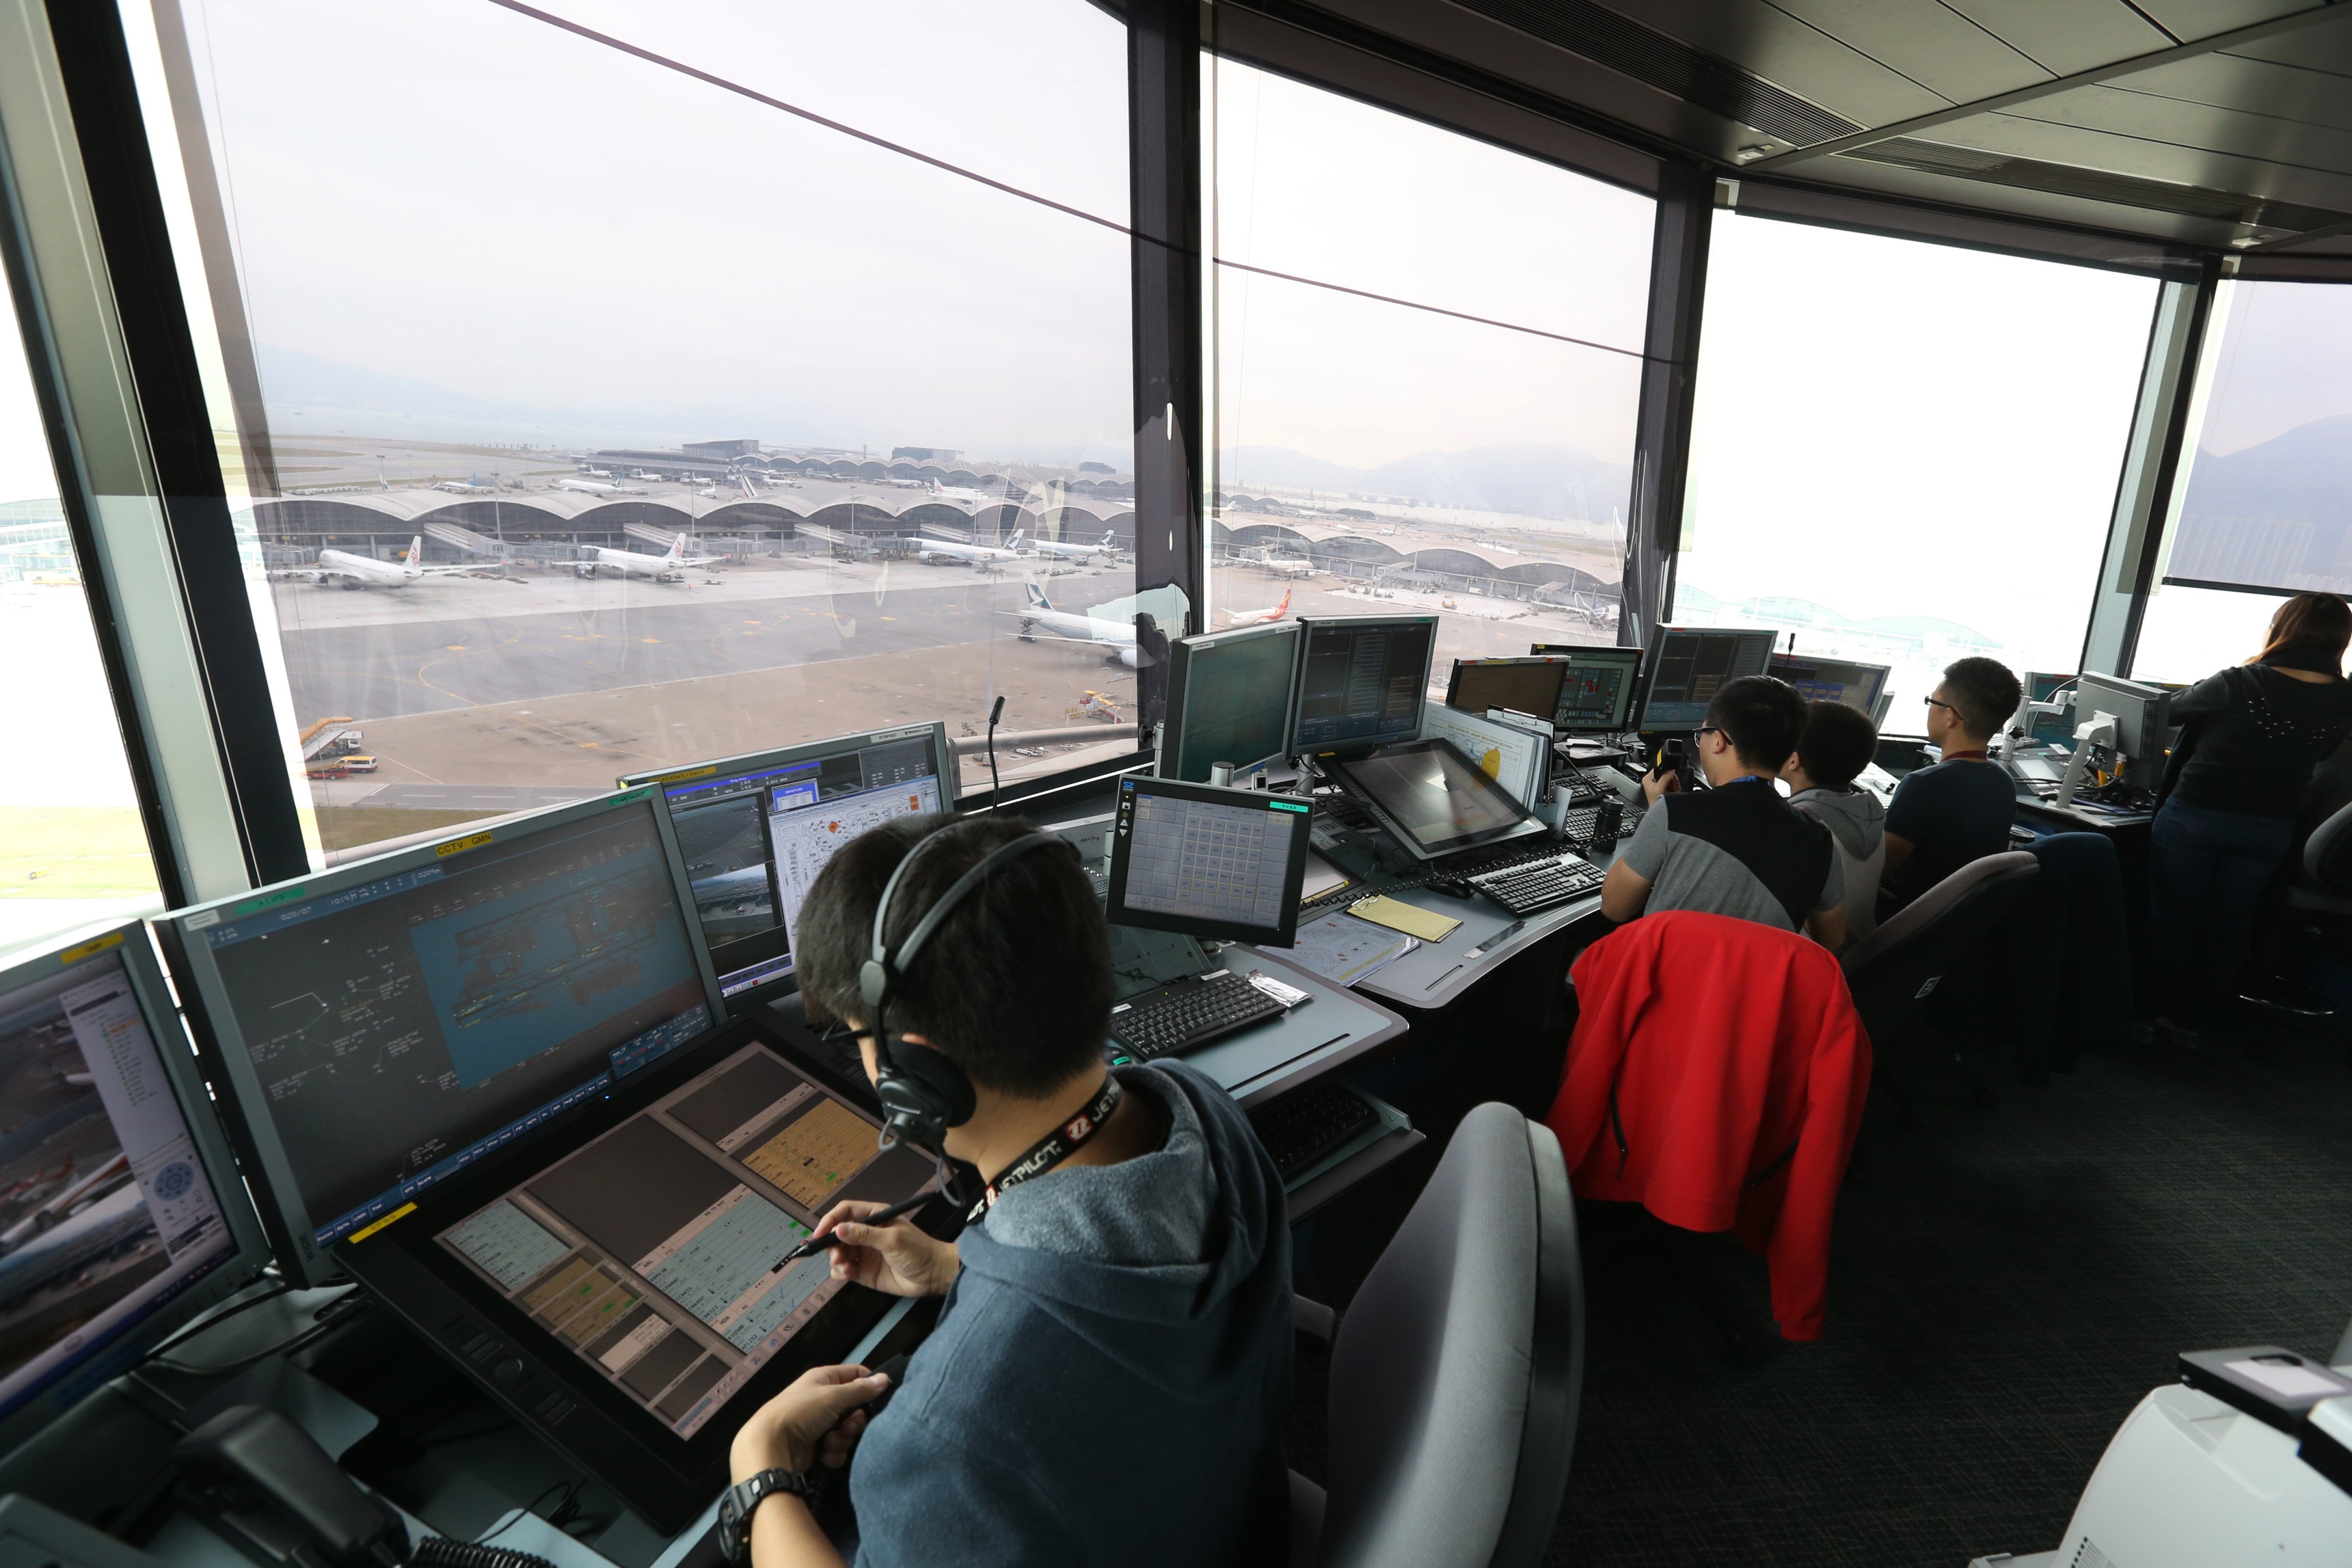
[(2251, 737)]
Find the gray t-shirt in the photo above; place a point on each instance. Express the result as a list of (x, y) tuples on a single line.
[(1740, 850)]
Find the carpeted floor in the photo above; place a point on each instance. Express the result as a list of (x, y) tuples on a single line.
[(2007, 1281)]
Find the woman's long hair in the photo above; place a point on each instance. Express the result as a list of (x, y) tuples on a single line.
[(2309, 632)]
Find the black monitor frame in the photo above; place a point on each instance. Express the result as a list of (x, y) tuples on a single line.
[(1355, 745), (227, 1061), (1282, 934), (118, 1346), (1343, 771), (2143, 714), (1658, 640), (1781, 662), (743, 997), (1185, 654), (1614, 653)]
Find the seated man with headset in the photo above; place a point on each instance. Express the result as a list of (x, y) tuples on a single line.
[(1108, 1378)]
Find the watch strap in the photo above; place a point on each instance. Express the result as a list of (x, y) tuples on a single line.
[(743, 1500)]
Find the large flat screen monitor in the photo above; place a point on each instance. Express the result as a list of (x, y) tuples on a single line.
[(377, 1028), (1596, 696), (2142, 714), (1850, 684), (1208, 862), (1433, 800), (1688, 665), (120, 1212), (756, 829), (1530, 686), (1362, 682), (1229, 700)]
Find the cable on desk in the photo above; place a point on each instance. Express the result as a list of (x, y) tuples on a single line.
[(322, 1322), (564, 1510), (437, 1551), (281, 1287)]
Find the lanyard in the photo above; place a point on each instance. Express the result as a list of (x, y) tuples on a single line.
[(1055, 1147)]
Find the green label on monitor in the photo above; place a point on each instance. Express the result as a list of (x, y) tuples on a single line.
[(283, 896), (1287, 805)]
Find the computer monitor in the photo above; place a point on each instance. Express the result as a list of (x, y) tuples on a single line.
[(756, 829), (1688, 665), (121, 1216), (1530, 686), (1850, 684), (2142, 713), (377, 1028), (1433, 800), (1229, 700), (1597, 698), (1207, 862), (1362, 682)]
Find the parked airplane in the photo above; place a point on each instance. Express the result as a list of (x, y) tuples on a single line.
[(467, 487), (366, 571), (599, 488), (1065, 626), (671, 567), (1260, 618), (1078, 552), (958, 494), (939, 550)]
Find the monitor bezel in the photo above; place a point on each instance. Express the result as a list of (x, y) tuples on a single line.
[(1357, 744), (943, 755), (2154, 703), (1180, 654), (1634, 693), (250, 1253), (1454, 682), (1283, 933), (1343, 771), (1877, 691), (220, 1043), (1656, 650)]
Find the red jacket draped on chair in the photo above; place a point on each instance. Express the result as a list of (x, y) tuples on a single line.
[(1739, 1070)]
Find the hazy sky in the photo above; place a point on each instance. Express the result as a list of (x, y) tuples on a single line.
[(1321, 186), (445, 191), (1891, 427), (2285, 359)]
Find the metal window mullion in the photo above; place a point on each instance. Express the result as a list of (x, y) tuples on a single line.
[(2152, 467), (1669, 387), (105, 474)]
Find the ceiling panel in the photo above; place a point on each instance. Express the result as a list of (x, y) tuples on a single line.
[(2314, 98), (1777, 47), (2203, 18), (1927, 42), (2103, 150), (2030, 203), (2063, 39), (2197, 125), (2323, 45)]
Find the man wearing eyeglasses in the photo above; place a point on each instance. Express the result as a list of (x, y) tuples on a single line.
[(1738, 849), (1960, 809)]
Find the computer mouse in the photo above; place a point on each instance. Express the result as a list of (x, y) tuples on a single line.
[(1454, 888)]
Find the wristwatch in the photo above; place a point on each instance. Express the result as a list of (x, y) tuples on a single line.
[(742, 1500)]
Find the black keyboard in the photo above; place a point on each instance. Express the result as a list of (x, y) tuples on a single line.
[(1546, 885), (1350, 892), (1578, 823), (1298, 1129), (1190, 1014)]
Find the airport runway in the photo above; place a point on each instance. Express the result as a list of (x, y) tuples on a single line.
[(390, 668)]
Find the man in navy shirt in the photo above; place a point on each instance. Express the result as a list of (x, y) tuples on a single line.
[(1960, 808)]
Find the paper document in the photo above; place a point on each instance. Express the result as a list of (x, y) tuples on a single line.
[(1512, 757), (1398, 915), (1321, 877), (1343, 950)]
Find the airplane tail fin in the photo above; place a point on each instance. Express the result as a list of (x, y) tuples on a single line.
[(1283, 608), (1018, 535), (415, 553), (677, 547), (1110, 540), (1038, 597)]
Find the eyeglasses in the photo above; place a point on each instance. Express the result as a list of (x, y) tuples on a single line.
[(1945, 706), (1709, 730)]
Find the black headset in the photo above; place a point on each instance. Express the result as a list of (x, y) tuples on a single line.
[(922, 1092)]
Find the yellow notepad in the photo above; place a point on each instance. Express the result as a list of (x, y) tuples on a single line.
[(1398, 915)]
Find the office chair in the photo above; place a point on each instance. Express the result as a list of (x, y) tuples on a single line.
[(1891, 972), (1456, 1372)]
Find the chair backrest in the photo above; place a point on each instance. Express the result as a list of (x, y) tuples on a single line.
[(1894, 970), (2327, 853), (1457, 1370)]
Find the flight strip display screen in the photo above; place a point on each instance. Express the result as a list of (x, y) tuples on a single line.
[(401, 1029), (754, 837), (1691, 665), (654, 1251)]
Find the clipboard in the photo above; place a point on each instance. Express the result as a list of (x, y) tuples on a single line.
[(1398, 915)]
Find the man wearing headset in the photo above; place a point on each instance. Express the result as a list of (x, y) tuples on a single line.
[(1106, 1381)]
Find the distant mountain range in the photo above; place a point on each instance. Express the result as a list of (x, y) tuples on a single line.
[(1523, 477), (2302, 476)]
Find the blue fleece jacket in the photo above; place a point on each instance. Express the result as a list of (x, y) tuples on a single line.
[(1108, 1379)]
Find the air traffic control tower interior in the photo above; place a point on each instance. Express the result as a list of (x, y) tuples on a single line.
[(1143, 781)]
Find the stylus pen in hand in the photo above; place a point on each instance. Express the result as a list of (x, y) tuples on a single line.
[(816, 1243)]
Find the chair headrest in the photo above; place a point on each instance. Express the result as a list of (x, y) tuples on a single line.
[(1977, 879), (2327, 853)]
